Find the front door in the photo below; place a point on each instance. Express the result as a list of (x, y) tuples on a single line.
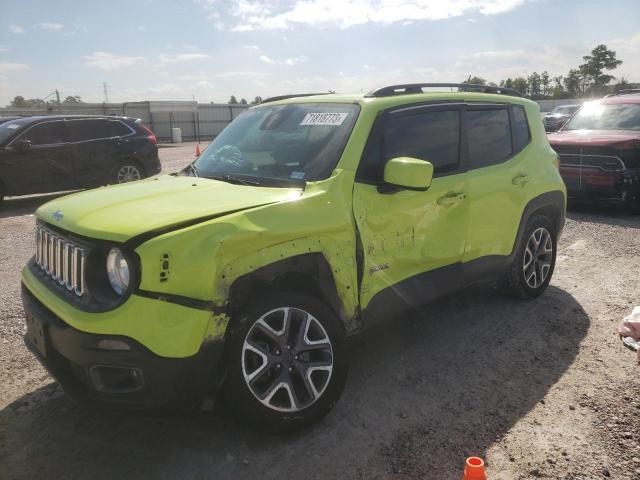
[(47, 165), (412, 240)]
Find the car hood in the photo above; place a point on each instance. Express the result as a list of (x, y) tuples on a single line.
[(121, 212), (617, 138)]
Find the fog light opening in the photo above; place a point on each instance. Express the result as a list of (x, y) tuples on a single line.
[(109, 379), (118, 345)]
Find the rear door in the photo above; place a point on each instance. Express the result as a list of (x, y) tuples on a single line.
[(95, 144), (497, 158), (46, 166), (404, 234)]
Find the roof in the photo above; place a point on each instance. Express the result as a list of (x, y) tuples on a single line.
[(37, 118)]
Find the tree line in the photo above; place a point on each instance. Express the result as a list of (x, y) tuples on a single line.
[(589, 79)]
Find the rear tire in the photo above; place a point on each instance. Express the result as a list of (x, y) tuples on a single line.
[(531, 270), (127, 171), (287, 362)]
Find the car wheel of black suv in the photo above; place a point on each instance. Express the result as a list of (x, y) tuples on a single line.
[(127, 171), (287, 362), (530, 272)]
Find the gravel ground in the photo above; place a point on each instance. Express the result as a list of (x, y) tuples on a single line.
[(540, 389)]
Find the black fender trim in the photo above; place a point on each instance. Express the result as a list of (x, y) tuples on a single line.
[(554, 201), (189, 302)]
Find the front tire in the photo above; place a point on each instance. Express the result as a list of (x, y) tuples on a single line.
[(531, 270), (287, 362)]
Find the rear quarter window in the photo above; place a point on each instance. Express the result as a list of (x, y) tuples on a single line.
[(521, 134)]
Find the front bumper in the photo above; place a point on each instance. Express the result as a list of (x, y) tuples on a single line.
[(110, 370)]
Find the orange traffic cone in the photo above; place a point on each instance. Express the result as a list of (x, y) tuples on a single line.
[(474, 469), (198, 152)]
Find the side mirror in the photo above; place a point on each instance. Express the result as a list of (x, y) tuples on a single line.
[(408, 173), (22, 145)]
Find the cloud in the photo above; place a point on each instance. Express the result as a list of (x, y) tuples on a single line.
[(166, 88), (53, 26), (108, 61), (627, 50), (287, 61), (141, 28), (181, 57), (204, 85), (252, 15), (3, 49), (16, 29), (12, 67)]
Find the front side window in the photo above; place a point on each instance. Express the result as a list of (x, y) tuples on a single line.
[(489, 136), (598, 116), (12, 127), (429, 135), (47, 133), (281, 143)]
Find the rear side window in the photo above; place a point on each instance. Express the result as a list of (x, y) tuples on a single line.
[(118, 129), (488, 136), (431, 135), (47, 133), (83, 130), (521, 135)]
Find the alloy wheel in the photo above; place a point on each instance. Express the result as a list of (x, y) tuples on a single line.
[(287, 359), (128, 173), (538, 257)]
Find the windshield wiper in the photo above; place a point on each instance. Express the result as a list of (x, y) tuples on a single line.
[(233, 179), (193, 169)]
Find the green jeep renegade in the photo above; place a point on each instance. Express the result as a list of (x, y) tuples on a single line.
[(308, 219)]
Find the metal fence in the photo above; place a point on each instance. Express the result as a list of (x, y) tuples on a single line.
[(201, 121)]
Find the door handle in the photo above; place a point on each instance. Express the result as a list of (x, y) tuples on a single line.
[(520, 179), (451, 198)]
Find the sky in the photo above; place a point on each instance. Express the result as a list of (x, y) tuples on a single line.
[(208, 50)]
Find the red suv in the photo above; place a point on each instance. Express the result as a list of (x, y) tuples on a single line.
[(599, 150)]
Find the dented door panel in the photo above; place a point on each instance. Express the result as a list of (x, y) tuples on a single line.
[(407, 233)]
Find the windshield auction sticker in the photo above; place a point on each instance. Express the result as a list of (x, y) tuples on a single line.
[(324, 119)]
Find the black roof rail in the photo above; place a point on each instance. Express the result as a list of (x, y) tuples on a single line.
[(391, 90), (292, 95)]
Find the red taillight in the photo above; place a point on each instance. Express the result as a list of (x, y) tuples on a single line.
[(151, 137)]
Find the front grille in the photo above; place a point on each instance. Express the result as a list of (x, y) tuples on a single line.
[(60, 259)]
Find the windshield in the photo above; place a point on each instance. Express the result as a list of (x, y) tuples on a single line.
[(278, 144), (8, 128), (565, 110), (598, 116)]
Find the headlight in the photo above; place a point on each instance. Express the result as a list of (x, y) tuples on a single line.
[(118, 271)]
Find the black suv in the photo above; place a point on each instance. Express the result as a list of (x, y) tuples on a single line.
[(41, 154)]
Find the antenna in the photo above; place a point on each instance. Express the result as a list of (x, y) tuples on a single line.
[(106, 93)]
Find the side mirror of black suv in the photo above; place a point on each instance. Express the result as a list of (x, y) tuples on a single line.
[(22, 145)]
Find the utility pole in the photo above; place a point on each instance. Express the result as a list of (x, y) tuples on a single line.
[(58, 100), (106, 93)]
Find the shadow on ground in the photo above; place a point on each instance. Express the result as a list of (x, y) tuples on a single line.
[(424, 392), (17, 206)]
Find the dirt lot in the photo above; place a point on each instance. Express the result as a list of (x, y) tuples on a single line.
[(541, 389)]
